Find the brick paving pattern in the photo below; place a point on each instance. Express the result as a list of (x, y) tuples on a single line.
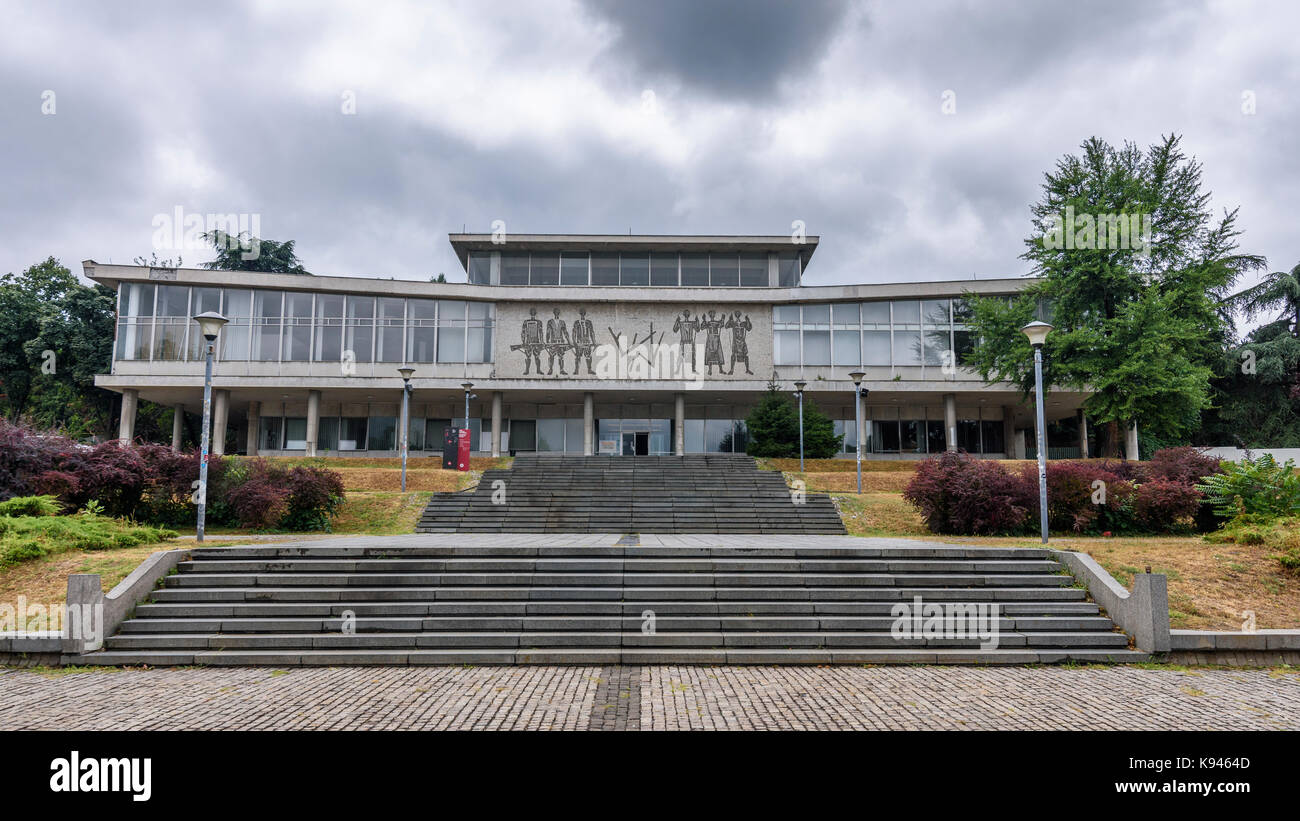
[(652, 698)]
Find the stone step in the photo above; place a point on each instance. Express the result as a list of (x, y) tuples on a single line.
[(617, 565), (326, 551), (639, 594), (584, 656), (618, 580)]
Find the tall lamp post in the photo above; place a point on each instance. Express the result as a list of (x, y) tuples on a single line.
[(468, 386), (857, 376), (798, 391), (1037, 332), (210, 324), (406, 416)]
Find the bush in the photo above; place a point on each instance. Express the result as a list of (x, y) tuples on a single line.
[(260, 494), (1165, 504), (315, 495), (1259, 487), (958, 494), (31, 537), (29, 506), (1070, 494), (1186, 465), (25, 454)]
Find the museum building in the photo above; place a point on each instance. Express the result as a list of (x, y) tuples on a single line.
[(583, 344)]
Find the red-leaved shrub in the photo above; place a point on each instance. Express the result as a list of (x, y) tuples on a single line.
[(1186, 465), (1071, 491), (958, 494), (1164, 504)]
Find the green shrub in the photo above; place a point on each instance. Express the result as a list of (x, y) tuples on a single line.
[(1254, 487), (31, 537), (29, 506)]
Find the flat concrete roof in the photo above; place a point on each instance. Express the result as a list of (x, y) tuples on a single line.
[(687, 243)]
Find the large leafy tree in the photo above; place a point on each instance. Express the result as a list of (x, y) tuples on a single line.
[(773, 427), (1140, 323), (272, 257)]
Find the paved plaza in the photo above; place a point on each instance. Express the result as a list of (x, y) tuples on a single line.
[(652, 698)]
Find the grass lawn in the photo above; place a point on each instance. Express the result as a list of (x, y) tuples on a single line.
[(1210, 585)]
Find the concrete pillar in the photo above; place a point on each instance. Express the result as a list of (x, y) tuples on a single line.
[(254, 414), (1083, 434), (679, 424), (496, 424), (588, 424), (1131, 442), (1009, 431), (950, 421), (1018, 445), (126, 425), (220, 413), (313, 422), (178, 426)]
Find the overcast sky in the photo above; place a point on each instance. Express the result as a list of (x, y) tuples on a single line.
[(604, 116)]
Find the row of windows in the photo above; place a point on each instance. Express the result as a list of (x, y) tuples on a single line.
[(154, 323), (658, 269), (923, 436), (898, 332)]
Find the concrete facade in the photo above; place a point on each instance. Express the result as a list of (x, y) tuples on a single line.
[(668, 359)]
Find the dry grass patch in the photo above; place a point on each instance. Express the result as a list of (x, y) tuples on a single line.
[(380, 513), (390, 479), (847, 482)]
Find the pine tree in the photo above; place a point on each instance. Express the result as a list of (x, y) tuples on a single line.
[(773, 427)]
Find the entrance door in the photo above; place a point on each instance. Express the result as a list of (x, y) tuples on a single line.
[(643, 444), (629, 444)]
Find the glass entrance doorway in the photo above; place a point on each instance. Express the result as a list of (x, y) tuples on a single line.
[(635, 437), (636, 443)]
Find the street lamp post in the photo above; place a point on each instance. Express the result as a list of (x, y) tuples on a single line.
[(798, 391), (1037, 332), (210, 324), (857, 376), (406, 416)]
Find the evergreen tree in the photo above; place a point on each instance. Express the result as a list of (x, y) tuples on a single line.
[(773, 427)]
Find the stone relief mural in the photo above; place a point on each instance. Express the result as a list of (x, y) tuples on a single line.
[(633, 341)]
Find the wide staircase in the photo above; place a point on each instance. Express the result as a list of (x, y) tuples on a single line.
[(606, 600), (705, 493)]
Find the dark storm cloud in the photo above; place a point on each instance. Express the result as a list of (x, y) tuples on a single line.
[(732, 49)]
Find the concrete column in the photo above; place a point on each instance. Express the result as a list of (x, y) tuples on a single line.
[(588, 424), (313, 422), (1083, 434), (1018, 445), (178, 426), (126, 425), (1009, 431), (496, 424), (950, 421), (679, 424), (1131, 442), (220, 412), (254, 414)]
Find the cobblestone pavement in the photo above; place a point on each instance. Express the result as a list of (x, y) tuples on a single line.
[(652, 698)]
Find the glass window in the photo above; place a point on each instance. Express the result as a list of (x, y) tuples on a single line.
[(550, 435), (718, 435), (885, 436), (545, 270), (573, 436), (383, 433), (788, 272), (907, 312), (173, 319), (740, 436), (604, 269), (937, 343), (359, 332), (135, 328), (203, 300), (352, 433), (695, 436), (235, 336), (297, 327), (415, 434), (875, 313), (266, 327), (844, 314), (329, 328), (663, 270), (174, 301), (435, 431), (785, 347), (523, 435), (724, 270), (480, 268), (451, 331), (421, 331), (389, 325), (935, 313), (907, 347), (786, 315), (753, 270), (992, 439), (479, 333), (514, 269), (295, 433), (875, 348), (963, 345), (936, 439), (968, 435), (269, 435), (634, 269), (327, 436), (912, 436), (695, 270), (573, 269), (135, 299), (817, 316), (848, 348), (816, 347)]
